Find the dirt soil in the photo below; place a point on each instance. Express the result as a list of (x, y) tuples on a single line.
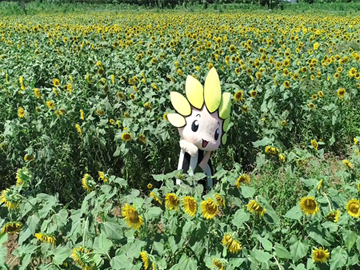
[(11, 245)]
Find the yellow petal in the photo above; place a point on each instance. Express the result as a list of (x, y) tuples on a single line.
[(212, 91), (176, 120), (194, 92), (225, 106), (180, 103), (224, 138)]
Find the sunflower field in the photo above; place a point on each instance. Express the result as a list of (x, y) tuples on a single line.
[(88, 159)]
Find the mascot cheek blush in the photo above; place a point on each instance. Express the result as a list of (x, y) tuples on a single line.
[(202, 121)]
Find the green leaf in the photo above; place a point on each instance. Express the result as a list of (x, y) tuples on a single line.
[(300, 266), (154, 212), (298, 250), (264, 142), (159, 247), (282, 252), (102, 245), (112, 230), (261, 256), (240, 217), (358, 243), (350, 238), (61, 253), (185, 263), (267, 245), (247, 192), (173, 244), (3, 238), (338, 258), (121, 262), (294, 213), (318, 238)]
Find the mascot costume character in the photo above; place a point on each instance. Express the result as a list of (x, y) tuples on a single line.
[(202, 121)]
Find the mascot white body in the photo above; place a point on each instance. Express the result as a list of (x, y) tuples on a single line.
[(202, 121)]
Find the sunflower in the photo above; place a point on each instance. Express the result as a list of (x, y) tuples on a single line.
[(311, 106), (314, 144), (179, 71), (319, 184), (145, 259), (348, 164), (165, 117), (287, 84), (314, 97), (149, 186), (148, 106), (320, 255), (11, 227), (132, 96), (231, 244), (78, 128), (358, 186), (100, 112), (113, 79), (9, 199), (254, 207), (245, 109), (190, 206), (271, 150), (353, 208), (253, 94), (121, 96), (172, 201), (37, 93), (283, 123), (282, 158), (50, 104), (142, 138), (333, 215), (126, 137), (56, 82), (220, 200), (209, 208), (50, 239), (103, 177), (355, 141), (21, 112), (156, 198), (112, 121), (132, 217), (341, 93), (242, 179), (309, 206), (219, 264), (238, 95), (83, 257), (88, 182), (22, 176), (321, 94)]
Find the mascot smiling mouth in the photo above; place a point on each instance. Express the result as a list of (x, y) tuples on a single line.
[(204, 143)]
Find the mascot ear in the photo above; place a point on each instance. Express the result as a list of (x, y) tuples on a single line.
[(180, 103), (176, 120), (194, 92), (225, 106), (212, 91)]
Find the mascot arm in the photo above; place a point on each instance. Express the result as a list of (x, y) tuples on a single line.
[(188, 147)]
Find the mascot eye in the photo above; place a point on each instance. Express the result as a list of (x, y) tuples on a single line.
[(195, 126), (217, 133)]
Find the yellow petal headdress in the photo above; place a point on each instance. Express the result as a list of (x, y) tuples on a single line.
[(197, 97)]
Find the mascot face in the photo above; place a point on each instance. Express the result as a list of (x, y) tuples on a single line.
[(203, 116), (203, 129)]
